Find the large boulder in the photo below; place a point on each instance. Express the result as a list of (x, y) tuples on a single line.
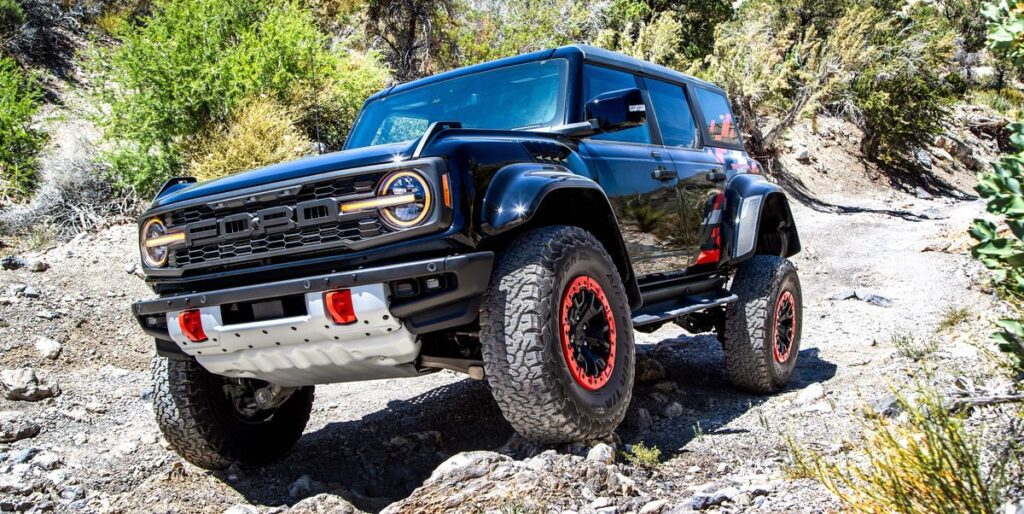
[(27, 384)]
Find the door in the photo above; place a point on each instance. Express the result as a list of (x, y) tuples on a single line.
[(700, 175), (639, 178)]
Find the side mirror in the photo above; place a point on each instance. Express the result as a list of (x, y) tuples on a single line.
[(617, 110)]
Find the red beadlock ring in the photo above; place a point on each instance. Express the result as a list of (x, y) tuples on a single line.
[(784, 325), (576, 345)]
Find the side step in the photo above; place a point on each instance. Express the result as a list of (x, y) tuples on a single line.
[(669, 310)]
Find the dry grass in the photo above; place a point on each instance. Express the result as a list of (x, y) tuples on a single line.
[(913, 348), (953, 316), (927, 463), (261, 132)]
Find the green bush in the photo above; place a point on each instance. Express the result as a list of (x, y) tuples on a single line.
[(904, 95), (11, 17), (191, 63), (20, 97), (928, 463)]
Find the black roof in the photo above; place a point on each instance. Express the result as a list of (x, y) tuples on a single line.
[(589, 53)]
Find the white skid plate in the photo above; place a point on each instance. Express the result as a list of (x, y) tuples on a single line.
[(310, 349)]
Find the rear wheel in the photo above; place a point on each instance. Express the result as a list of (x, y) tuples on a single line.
[(211, 420), (762, 329), (557, 337)]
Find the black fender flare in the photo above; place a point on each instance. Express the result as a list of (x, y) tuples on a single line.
[(523, 195), (750, 201)]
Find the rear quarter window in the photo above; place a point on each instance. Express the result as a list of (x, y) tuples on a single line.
[(718, 118)]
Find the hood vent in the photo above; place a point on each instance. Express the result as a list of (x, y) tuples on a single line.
[(547, 152)]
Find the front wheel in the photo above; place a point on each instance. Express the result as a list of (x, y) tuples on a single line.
[(210, 422), (557, 337), (762, 328)]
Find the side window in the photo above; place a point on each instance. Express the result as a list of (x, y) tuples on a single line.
[(718, 117), (598, 80), (673, 111)]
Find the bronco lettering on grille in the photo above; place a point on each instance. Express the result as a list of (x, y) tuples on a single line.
[(265, 221)]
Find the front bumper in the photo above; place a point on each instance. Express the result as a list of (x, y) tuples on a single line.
[(307, 348)]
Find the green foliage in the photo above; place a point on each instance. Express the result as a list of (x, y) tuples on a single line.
[(11, 17), (20, 98), (1001, 248), (644, 456), (511, 28), (190, 64), (1006, 29), (673, 34), (929, 463), (904, 95)]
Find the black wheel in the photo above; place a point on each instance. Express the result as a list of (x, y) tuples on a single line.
[(762, 329), (557, 337), (207, 420)]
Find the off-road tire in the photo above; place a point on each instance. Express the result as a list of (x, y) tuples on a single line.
[(197, 419), (749, 330), (522, 350)]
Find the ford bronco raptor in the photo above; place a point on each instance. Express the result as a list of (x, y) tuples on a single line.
[(515, 220)]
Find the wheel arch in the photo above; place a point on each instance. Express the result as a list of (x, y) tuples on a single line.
[(760, 219), (526, 196)]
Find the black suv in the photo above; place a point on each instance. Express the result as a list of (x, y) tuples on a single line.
[(515, 220)]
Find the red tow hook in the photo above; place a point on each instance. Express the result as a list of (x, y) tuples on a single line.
[(191, 323)]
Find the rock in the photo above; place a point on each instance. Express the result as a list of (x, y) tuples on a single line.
[(303, 487), (47, 314), (15, 426), (648, 370), (12, 262), (48, 461), (673, 410), (466, 465), (30, 292), (601, 502), (922, 194), (654, 507), (242, 508), (322, 504), (700, 501), (47, 348), (27, 384), (802, 154), (130, 268), (845, 294), (607, 510), (37, 265), (726, 494), (24, 455), (888, 406), (924, 159), (80, 439), (643, 419), (809, 394), (602, 453), (878, 300)]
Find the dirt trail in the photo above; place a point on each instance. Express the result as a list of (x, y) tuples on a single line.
[(373, 443)]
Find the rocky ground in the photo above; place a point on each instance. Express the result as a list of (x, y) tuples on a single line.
[(880, 271)]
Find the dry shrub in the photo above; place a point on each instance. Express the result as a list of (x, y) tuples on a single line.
[(925, 463), (259, 133)]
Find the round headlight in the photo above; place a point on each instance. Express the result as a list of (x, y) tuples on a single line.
[(412, 195), (153, 256)]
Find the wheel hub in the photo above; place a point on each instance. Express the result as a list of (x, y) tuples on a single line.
[(587, 330), (785, 326)]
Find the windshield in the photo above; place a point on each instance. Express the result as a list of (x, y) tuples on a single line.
[(523, 96)]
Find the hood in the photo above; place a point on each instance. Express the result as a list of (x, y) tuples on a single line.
[(305, 167)]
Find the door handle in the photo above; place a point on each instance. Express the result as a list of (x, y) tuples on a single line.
[(663, 174), (715, 176), (655, 154)]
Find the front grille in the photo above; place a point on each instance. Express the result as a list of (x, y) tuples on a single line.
[(308, 239)]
